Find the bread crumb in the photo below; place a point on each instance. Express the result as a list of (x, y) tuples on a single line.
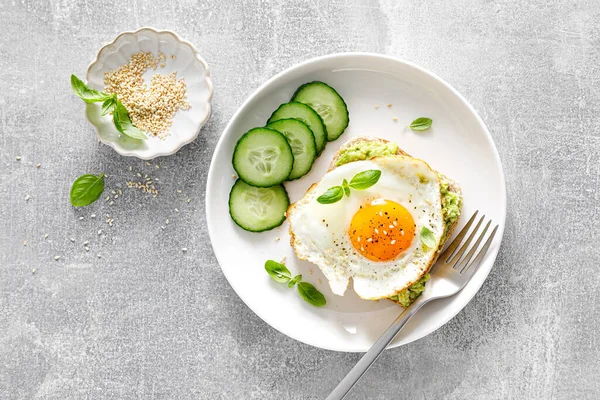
[(390, 105), (283, 259), (277, 239), (377, 107), (395, 119), (319, 281), (234, 176)]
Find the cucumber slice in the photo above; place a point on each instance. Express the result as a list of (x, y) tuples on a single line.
[(302, 142), (328, 104), (263, 157), (257, 209), (304, 113)]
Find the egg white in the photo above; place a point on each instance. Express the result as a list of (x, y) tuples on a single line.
[(320, 231)]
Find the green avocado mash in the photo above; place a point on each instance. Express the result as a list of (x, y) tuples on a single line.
[(451, 201), (365, 150)]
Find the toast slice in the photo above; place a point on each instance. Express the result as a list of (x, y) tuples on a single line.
[(452, 187)]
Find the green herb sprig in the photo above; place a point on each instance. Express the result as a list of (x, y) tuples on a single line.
[(427, 237), (361, 181), (86, 189), (307, 291), (421, 124), (110, 103)]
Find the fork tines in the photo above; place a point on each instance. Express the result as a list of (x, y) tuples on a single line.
[(457, 258)]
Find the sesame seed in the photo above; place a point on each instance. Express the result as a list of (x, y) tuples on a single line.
[(86, 242), (358, 239), (93, 215), (151, 107), (33, 270), (362, 248), (369, 239), (393, 242), (147, 163), (57, 258), (98, 255), (72, 240), (38, 165), (395, 223), (87, 248), (24, 242), (81, 218), (139, 175), (377, 231), (176, 210), (184, 249), (391, 226), (45, 236), (283, 260), (18, 158), (385, 232), (27, 197), (402, 232), (99, 231), (178, 190)]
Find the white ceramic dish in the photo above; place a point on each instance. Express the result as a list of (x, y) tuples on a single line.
[(458, 145), (188, 64)]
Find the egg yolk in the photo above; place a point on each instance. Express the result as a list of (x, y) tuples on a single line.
[(381, 230)]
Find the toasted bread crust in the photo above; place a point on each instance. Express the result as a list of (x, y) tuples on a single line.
[(453, 187)]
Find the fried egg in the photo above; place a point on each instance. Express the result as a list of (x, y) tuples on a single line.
[(374, 235)]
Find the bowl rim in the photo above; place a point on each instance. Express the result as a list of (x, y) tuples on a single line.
[(211, 178), (207, 78)]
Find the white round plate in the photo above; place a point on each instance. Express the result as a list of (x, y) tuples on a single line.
[(185, 61), (458, 145)]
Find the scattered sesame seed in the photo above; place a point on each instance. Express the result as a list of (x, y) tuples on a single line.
[(178, 190), (358, 239), (130, 168), (93, 215), (81, 218), (283, 260), (57, 258), (86, 242), (369, 239), (395, 223), (393, 242), (385, 232), (99, 231), (107, 198), (45, 236), (87, 248), (377, 231), (33, 270), (402, 232), (362, 248), (184, 249), (72, 240), (111, 203), (27, 197), (113, 192), (98, 255), (139, 175), (18, 158), (173, 56), (188, 200), (24, 242), (391, 226), (163, 227), (157, 166), (176, 210), (38, 165), (147, 163)]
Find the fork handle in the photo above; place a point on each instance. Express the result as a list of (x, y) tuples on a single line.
[(375, 351)]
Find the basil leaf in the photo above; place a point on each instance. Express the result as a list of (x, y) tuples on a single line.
[(421, 124), (86, 189), (278, 271), (294, 281), (346, 188), (427, 237), (311, 295), (123, 122), (86, 93), (108, 105), (366, 179), (332, 195)]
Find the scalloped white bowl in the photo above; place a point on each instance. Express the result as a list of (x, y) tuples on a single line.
[(188, 64)]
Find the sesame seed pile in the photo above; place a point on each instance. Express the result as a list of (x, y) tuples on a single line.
[(151, 107)]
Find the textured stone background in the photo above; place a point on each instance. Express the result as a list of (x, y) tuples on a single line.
[(149, 321)]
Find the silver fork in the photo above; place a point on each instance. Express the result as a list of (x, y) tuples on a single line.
[(449, 275)]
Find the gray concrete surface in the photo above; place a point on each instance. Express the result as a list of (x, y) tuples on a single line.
[(148, 321)]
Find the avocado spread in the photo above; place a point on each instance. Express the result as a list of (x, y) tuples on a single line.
[(451, 201)]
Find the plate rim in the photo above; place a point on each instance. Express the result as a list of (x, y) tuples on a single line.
[(496, 159)]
